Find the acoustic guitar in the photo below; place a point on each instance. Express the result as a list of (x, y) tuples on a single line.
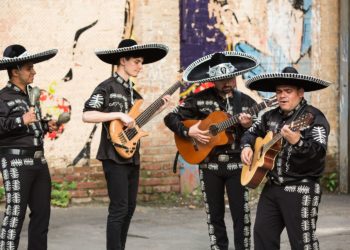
[(265, 152), (216, 122), (125, 140)]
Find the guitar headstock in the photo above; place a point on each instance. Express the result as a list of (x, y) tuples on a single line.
[(302, 122), (272, 101)]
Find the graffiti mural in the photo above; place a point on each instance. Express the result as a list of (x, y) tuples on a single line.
[(51, 104), (69, 75), (85, 152), (278, 33)]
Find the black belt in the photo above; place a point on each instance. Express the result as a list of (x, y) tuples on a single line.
[(35, 153), (289, 181), (222, 158)]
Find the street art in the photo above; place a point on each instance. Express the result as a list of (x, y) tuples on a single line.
[(85, 152), (278, 33), (69, 75), (52, 106)]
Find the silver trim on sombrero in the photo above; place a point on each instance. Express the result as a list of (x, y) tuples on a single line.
[(221, 69), (287, 76), (132, 48), (27, 57), (208, 57)]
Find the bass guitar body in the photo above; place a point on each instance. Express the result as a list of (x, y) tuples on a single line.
[(253, 175), (125, 140), (195, 152)]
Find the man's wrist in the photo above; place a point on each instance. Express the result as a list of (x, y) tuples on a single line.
[(245, 146), (299, 143)]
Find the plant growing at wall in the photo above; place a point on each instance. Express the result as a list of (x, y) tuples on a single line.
[(330, 181), (60, 193), (2, 193)]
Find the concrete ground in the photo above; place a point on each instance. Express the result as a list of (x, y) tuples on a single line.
[(160, 228)]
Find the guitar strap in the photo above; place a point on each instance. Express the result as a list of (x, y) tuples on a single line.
[(298, 113), (237, 102), (175, 162)]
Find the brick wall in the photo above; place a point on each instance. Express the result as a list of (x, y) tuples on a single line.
[(53, 24), (91, 185)]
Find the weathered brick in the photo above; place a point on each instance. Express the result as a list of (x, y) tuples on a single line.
[(162, 189), (150, 181), (78, 193), (81, 200), (87, 185), (98, 192)]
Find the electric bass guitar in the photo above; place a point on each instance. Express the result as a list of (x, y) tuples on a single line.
[(265, 152), (125, 140), (216, 122)]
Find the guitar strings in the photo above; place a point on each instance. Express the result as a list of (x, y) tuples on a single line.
[(146, 115)]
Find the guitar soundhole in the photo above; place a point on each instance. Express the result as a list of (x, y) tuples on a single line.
[(213, 130)]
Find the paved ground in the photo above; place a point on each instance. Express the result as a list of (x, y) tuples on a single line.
[(153, 228)]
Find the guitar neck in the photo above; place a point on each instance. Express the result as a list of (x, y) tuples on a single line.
[(299, 124), (268, 145), (145, 116), (234, 119)]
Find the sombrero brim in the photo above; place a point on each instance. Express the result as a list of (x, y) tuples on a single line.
[(150, 53), (269, 82), (6, 63), (197, 72)]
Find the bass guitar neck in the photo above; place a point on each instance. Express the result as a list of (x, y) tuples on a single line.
[(125, 140)]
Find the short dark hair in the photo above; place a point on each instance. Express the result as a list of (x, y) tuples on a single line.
[(126, 57), (9, 70)]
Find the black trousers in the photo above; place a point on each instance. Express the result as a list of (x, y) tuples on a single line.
[(27, 182), (213, 184), (293, 207), (122, 184)]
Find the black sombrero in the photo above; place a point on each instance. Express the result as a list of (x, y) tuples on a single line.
[(17, 55), (128, 47), (219, 66), (289, 76)]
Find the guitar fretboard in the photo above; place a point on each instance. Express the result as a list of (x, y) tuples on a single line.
[(235, 119), (299, 124), (268, 145), (145, 116)]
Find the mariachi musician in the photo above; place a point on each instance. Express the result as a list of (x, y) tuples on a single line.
[(292, 194), (222, 167), (24, 168), (111, 100)]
